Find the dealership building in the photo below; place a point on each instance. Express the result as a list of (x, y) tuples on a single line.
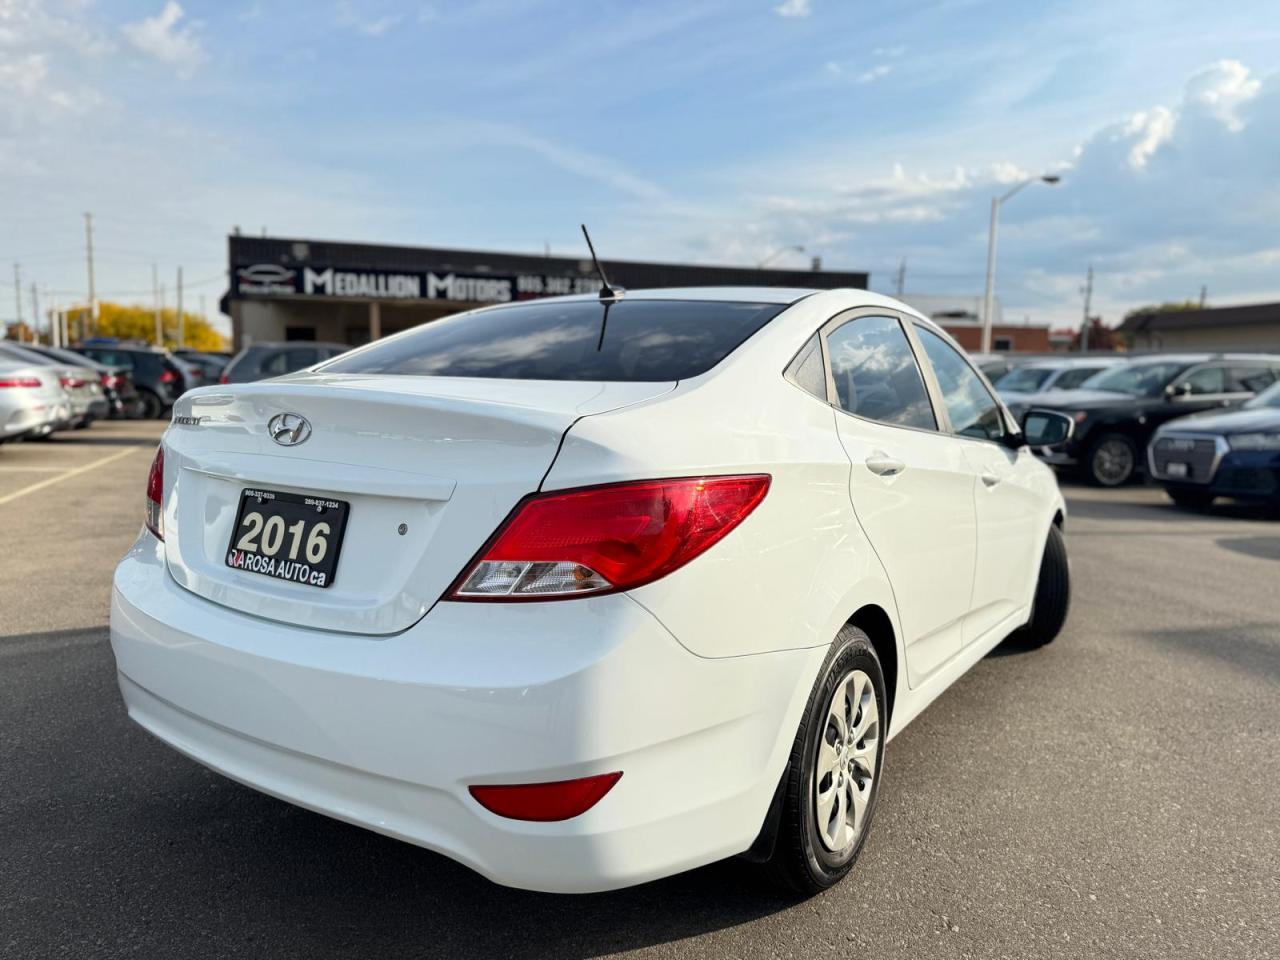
[(286, 289)]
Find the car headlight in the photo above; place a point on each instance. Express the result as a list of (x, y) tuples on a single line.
[(1254, 441)]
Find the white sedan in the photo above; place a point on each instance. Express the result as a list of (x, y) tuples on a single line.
[(587, 591)]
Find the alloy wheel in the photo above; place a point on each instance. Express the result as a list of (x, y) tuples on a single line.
[(844, 771), (1113, 462)]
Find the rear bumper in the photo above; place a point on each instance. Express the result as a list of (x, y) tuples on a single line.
[(388, 732)]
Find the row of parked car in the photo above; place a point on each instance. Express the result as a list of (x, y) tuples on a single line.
[(47, 389), (1203, 425)]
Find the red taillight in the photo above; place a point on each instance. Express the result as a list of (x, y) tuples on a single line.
[(603, 539), (110, 381), (224, 379), (544, 802), (155, 495), (28, 382), (168, 376), (71, 383)]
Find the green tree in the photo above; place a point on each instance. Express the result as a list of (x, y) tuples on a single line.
[(136, 322)]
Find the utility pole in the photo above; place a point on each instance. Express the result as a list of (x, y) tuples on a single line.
[(155, 301), (1087, 290), (180, 337), (901, 279), (35, 314), (1204, 294), (88, 252), (17, 301)]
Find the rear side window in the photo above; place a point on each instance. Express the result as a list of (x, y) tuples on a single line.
[(807, 371), (638, 340), (876, 374), (1249, 379), (1070, 379), (287, 361)]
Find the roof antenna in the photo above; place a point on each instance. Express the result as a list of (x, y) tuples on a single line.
[(607, 291)]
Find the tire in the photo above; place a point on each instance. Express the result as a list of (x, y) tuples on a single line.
[(149, 406), (1190, 499), (1112, 460), (810, 855), (1053, 593)]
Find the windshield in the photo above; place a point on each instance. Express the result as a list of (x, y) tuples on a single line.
[(638, 340), (1137, 379), (1024, 379), (1269, 397)]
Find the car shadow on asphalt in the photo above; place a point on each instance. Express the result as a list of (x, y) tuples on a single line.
[(324, 887), (1252, 648)]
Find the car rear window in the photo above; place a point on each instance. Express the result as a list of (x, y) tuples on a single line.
[(638, 340)]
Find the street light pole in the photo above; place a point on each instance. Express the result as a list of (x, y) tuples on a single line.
[(988, 302)]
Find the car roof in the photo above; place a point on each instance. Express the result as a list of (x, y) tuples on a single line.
[(1065, 363), (1205, 357)]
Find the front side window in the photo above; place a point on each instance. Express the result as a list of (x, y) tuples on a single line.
[(1205, 380), (629, 340), (876, 375), (972, 409)]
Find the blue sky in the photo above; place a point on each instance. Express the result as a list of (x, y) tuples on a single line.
[(715, 132)]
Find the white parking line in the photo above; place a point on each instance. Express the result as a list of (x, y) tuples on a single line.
[(65, 476)]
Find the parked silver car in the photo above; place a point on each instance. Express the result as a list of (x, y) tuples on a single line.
[(32, 401), (82, 383), (1027, 385)]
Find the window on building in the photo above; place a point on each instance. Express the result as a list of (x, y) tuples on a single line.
[(1002, 344)]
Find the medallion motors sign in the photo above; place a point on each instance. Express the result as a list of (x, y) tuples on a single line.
[(267, 279)]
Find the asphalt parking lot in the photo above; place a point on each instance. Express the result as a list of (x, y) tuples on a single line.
[(1116, 794)]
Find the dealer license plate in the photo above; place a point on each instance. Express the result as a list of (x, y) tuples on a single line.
[(1177, 471), (288, 536)]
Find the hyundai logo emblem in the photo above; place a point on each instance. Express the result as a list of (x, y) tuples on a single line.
[(289, 429)]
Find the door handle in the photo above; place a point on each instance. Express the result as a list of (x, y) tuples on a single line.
[(990, 479), (884, 465)]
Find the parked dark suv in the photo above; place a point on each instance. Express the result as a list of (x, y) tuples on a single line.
[(158, 379), (260, 361), (1117, 410)]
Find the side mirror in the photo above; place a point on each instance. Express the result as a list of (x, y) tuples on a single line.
[(1047, 428)]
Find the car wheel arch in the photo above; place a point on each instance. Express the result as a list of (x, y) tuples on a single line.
[(873, 620)]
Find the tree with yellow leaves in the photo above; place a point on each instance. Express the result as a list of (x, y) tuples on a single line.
[(135, 322)]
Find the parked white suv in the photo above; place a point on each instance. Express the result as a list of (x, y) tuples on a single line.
[(583, 592)]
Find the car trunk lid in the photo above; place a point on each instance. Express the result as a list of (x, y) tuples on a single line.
[(428, 466)]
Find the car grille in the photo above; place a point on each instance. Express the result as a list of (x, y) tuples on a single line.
[(1197, 453)]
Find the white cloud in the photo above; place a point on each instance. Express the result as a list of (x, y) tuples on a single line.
[(161, 37), (360, 20), (875, 73), (1172, 196), (793, 8)]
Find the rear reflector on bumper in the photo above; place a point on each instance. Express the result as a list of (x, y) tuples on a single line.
[(545, 802)]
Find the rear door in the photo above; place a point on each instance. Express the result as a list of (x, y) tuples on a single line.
[(911, 486), (1008, 501)]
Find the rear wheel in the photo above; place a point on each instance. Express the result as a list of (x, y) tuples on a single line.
[(149, 405), (1053, 593), (834, 775), (1112, 460)]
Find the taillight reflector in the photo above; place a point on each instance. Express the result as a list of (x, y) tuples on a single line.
[(155, 495), (27, 382), (544, 802), (168, 376), (608, 538), (71, 383)]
